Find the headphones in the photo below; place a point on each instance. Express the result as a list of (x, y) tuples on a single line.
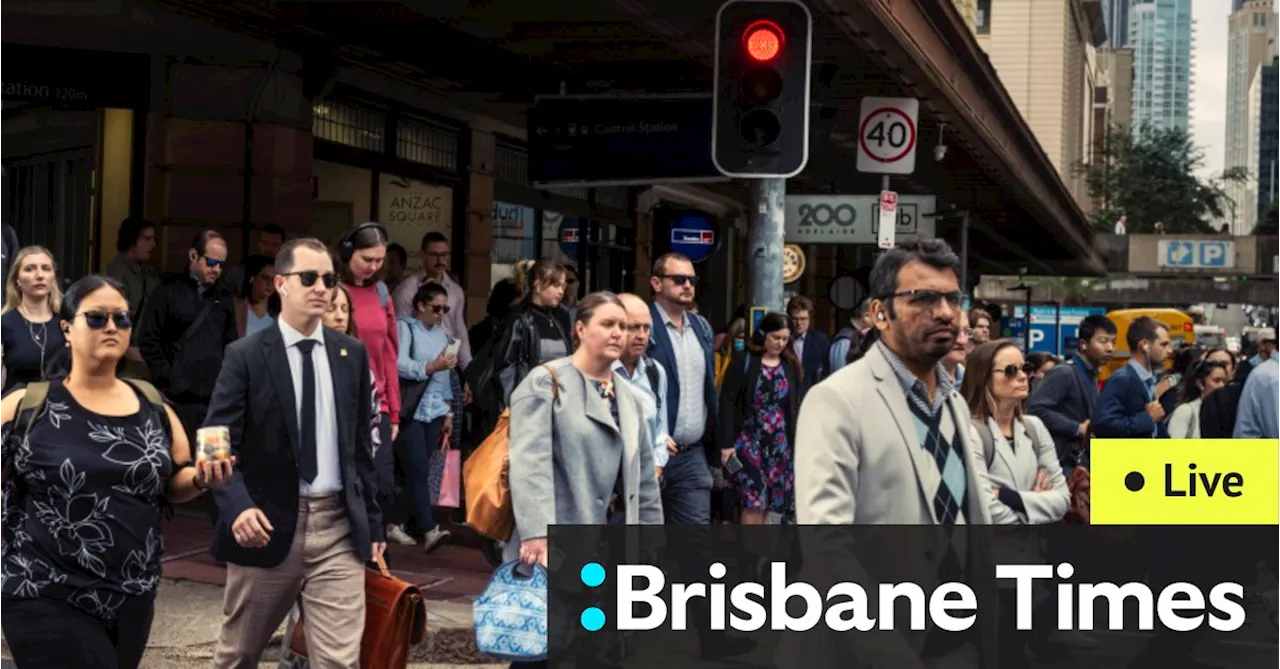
[(879, 315), (347, 247)]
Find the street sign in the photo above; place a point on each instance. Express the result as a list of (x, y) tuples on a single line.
[(852, 219), (693, 235), (887, 135), (569, 234), (606, 140), (1048, 334), (1197, 254), (888, 219)]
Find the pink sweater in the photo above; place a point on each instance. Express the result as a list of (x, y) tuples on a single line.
[(377, 327)]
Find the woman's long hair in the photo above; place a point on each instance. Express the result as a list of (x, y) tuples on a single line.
[(13, 294), (772, 322), (1188, 389), (737, 328), (976, 386), (530, 274), (352, 330), (59, 365)]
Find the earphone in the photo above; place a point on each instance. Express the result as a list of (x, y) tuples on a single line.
[(347, 247), (879, 315)]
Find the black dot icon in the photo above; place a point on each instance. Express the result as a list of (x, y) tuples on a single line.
[(1134, 481)]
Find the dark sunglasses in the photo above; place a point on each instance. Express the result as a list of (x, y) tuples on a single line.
[(1011, 371), (214, 262), (309, 278), (96, 320), (930, 299), (680, 279), (439, 308)]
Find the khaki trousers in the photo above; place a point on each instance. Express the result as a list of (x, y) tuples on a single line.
[(321, 573)]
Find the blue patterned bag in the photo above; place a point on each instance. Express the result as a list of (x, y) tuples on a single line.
[(510, 616)]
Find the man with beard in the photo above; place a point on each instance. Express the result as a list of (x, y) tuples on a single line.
[(887, 440), (851, 471)]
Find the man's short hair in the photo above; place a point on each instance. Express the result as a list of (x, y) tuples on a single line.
[(433, 237), (977, 313), (200, 243), (660, 265), (800, 303), (130, 230), (1143, 329), (284, 258), (935, 253), (273, 229), (1091, 325)]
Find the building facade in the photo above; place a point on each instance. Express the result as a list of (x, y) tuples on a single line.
[(1045, 53), (1251, 35), (1263, 142), (1161, 36), (1116, 13)]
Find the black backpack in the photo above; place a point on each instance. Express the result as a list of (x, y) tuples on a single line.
[(1218, 410)]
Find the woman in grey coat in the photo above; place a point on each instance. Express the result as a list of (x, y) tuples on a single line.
[(585, 459)]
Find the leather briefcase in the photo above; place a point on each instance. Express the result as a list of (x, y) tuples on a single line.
[(395, 620)]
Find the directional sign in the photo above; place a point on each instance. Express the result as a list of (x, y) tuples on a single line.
[(888, 220), (887, 135), (852, 219), (1053, 330), (1197, 254), (694, 235), (609, 140)]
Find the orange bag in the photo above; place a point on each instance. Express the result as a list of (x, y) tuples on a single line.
[(485, 478)]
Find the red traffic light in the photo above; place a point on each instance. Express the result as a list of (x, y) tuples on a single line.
[(763, 41)]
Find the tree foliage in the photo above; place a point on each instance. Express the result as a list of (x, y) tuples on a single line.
[(1270, 221), (1149, 176)]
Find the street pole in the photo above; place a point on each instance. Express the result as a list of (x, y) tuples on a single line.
[(1027, 323), (964, 253), (765, 238)]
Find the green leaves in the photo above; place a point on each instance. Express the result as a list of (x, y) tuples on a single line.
[(1150, 176)]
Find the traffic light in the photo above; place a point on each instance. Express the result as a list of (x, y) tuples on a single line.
[(760, 108)]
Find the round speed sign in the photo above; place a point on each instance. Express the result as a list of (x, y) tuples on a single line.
[(887, 135)]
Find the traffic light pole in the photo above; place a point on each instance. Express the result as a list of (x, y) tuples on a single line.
[(765, 238)]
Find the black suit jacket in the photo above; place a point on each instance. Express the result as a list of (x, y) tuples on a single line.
[(814, 360), (254, 398)]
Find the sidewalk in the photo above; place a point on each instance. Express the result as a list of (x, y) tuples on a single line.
[(188, 615)]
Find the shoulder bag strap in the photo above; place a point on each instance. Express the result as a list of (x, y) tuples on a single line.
[(32, 401), (201, 317), (988, 442), (555, 384)]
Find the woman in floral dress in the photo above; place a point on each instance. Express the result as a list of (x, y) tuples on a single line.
[(759, 404)]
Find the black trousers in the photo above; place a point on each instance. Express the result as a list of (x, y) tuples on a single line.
[(51, 634)]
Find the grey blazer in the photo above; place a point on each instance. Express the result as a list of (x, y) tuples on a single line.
[(564, 455)]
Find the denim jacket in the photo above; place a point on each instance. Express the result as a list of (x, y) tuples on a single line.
[(420, 345)]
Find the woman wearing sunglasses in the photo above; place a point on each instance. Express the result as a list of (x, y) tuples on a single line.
[(425, 358), (86, 475), (1021, 462)]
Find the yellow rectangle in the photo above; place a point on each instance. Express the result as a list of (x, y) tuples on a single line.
[(1184, 482)]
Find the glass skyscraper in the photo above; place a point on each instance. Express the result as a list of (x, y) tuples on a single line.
[(1115, 13), (1161, 38)]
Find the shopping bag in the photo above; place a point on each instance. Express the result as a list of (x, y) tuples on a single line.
[(451, 481)]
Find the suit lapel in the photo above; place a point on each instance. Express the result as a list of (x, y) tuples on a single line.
[(594, 407), (890, 391), (339, 370), (277, 363)]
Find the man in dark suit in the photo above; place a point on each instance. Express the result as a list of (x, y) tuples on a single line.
[(811, 346), (298, 520), (1127, 406)]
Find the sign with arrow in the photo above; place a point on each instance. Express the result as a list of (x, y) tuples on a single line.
[(609, 140)]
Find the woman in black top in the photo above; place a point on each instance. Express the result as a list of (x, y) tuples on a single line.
[(28, 330), (84, 483)]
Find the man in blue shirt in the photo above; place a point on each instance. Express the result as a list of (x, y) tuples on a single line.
[(1259, 409), (1127, 406), (647, 376)]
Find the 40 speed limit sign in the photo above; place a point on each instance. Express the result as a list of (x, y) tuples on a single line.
[(887, 135)]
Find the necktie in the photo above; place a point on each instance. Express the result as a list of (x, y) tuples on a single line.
[(307, 419)]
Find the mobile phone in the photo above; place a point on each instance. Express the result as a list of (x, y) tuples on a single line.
[(453, 347), (733, 465)]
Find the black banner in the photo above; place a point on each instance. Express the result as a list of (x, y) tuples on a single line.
[(75, 79)]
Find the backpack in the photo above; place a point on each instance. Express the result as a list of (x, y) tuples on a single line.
[(486, 481), (38, 391), (651, 371), (384, 294)]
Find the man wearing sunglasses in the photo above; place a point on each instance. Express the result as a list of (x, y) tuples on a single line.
[(299, 517), (186, 323)]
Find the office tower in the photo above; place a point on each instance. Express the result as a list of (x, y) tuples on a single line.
[(1251, 34), (1116, 15), (1161, 38)]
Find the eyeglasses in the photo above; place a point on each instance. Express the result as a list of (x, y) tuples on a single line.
[(213, 262), (96, 320), (930, 299), (1011, 371), (309, 278), (680, 279), (439, 308)]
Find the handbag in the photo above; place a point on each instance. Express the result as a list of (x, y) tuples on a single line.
[(451, 481), (488, 490), (1078, 492), (395, 620), (411, 392), (510, 616)]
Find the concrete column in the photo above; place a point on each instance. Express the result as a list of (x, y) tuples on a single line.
[(199, 138), (479, 238)]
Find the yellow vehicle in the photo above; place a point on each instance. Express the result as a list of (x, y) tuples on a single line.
[(1181, 331)]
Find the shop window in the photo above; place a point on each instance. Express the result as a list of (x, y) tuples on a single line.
[(427, 143), (350, 125), (514, 239), (512, 165)]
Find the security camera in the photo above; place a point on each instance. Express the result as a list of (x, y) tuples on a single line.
[(940, 152)]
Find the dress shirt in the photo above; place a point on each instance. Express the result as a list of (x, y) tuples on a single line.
[(657, 420), (1259, 410), (798, 347), (1148, 380), (691, 411), (420, 345), (328, 467), (454, 322)]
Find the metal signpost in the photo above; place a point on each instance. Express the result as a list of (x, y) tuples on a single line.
[(887, 134)]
